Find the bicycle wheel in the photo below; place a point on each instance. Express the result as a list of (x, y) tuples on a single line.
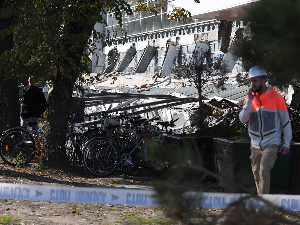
[(100, 156), (129, 161), (73, 148), (17, 146), (86, 136)]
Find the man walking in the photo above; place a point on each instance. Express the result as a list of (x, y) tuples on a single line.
[(268, 118)]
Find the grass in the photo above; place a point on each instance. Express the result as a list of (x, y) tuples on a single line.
[(9, 219), (137, 217), (21, 160)]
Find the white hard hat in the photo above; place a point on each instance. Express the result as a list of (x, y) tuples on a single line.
[(257, 71)]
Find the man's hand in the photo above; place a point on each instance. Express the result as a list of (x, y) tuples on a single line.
[(284, 150), (249, 93)]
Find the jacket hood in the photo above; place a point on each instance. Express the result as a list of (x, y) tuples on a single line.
[(270, 90)]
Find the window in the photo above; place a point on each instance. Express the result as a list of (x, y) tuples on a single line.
[(130, 28), (157, 22), (190, 49), (144, 25), (161, 52), (160, 61), (125, 17), (137, 27), (145, 14), (125, 28), (180, 22), (136, 15), (114, 21), (109, 20), (165, 21), (150, 23), (173, 23), (184, 50)]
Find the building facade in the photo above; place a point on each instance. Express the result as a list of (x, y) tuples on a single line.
[(144, 41)]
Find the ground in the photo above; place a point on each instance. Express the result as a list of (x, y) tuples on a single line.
[(50, 212)]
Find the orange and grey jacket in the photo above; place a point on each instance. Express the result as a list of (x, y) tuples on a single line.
[(268, 117)]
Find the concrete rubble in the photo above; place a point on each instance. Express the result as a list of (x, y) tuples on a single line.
[(151, 89)]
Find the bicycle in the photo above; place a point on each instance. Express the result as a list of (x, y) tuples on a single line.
[(131, 142), (103, 156), (18, 145), (73, 139), (101, 153), (76, 137), (100, 156)]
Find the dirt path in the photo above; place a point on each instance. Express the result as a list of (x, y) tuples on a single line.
[(40, 212)]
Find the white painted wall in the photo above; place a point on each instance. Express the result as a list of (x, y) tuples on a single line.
[(124, 48), (169, 61), (187, 39), (98, 58), (162, 42), (141, 45), (230, 59)]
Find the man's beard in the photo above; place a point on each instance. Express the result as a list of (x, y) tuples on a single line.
[(258, 89)]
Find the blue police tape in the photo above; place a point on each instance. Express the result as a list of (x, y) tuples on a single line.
[(222, 200), (130, 196)]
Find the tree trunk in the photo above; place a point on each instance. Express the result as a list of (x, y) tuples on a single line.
[(58, 114), (9, 91), (60, 98), (224, 35), (199, 85), (9, 103)]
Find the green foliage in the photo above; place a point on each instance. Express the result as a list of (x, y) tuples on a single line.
[(9, 219), (179, 13), (53, 36), (155, 7), (21, 160), (273, 42), (136, 217), (53, 39)]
